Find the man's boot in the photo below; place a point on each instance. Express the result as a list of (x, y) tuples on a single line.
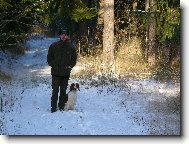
[(62, 102)]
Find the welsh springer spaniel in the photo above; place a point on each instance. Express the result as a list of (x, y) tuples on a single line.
[(72, 97)]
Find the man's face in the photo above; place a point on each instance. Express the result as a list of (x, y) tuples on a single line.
[(63, 37)]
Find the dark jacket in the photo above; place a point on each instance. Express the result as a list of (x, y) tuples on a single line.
[(62, 58)]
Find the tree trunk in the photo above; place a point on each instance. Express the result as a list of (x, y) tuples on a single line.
[(108, 37), (147, 32), (134, 4), (101, 13), (83, 36), (92, 24), (152, 33), (150, 52)]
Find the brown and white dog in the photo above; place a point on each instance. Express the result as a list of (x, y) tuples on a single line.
[(72, 97)]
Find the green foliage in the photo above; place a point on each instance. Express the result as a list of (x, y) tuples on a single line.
[(4, 4), (168, 20), (17, 20), (75, 10), (83, 14)]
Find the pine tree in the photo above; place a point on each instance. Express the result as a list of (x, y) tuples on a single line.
[(108, 37)]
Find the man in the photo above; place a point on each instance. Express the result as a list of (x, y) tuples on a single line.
[(62, 58)]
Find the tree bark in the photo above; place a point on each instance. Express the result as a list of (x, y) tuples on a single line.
[(101, 13), (108, 37), (151, 32)]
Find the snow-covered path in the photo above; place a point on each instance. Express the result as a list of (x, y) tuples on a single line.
[(134, 108)]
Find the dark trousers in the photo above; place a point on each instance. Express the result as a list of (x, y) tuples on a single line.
[(61, 83)]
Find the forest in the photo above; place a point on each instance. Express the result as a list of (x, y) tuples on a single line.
[(126, 37)]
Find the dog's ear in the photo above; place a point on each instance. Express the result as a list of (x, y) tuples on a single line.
[(72, 87), (77, 86)]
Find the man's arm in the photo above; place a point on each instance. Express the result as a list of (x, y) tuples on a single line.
[(73, 57), (50, 56)]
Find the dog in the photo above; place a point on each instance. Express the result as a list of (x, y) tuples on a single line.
[(72, 97)]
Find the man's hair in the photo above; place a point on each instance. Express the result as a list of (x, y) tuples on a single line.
[(62, 32)]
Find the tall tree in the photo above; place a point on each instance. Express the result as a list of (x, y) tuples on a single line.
[(152, 32), (101, 12), (108, 36)]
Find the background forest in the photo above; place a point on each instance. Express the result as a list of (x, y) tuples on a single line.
[(139, 38)]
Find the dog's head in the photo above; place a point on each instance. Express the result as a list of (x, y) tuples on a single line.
[(74, 87)]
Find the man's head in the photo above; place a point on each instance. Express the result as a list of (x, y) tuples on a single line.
[(63, 35), (62, 32)]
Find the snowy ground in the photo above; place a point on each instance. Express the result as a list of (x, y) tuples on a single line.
[(127, 107)]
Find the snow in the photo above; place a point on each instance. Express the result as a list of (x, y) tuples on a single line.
[(129, 107)]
